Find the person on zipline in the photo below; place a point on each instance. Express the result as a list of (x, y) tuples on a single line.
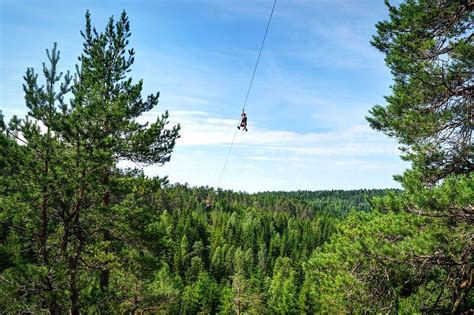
[(243, 122)]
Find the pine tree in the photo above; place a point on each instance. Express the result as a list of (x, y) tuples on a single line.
[(63, 201), (102, 121), (31, 177), (414, 253), (428, 48)]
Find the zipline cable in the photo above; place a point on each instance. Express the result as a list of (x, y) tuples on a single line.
[(248, 93)]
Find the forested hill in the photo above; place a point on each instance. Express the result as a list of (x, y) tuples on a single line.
[(328, 201), (193, 249), (302, 202), (231, 252)]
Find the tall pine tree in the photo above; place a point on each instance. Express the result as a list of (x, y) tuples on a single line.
[(61, 205), (415, 253)]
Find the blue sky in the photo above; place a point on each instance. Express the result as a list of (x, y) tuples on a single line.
[(317, 78)]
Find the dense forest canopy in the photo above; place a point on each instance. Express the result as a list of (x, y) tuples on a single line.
[(80, 235)]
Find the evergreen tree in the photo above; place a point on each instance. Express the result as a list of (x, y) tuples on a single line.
[(68, 219), (283, 290), (31, 178), (415, 253), (428, 48)]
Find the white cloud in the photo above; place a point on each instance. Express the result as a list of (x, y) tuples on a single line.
[(353, 156), (202, 129)]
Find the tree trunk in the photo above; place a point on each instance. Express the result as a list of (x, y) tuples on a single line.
[(73, 286), (44, 237), (76, 231), (105, 272)]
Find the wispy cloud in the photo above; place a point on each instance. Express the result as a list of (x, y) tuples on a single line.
[(202, 129), (278, 159)]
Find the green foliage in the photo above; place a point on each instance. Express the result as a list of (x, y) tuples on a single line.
[(283, 288), (167, 253), (202, 296), (428, 48), (414, 254), (64, 206), (398, 260)]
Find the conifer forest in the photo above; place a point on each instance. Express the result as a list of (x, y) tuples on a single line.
[(81, 235)]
